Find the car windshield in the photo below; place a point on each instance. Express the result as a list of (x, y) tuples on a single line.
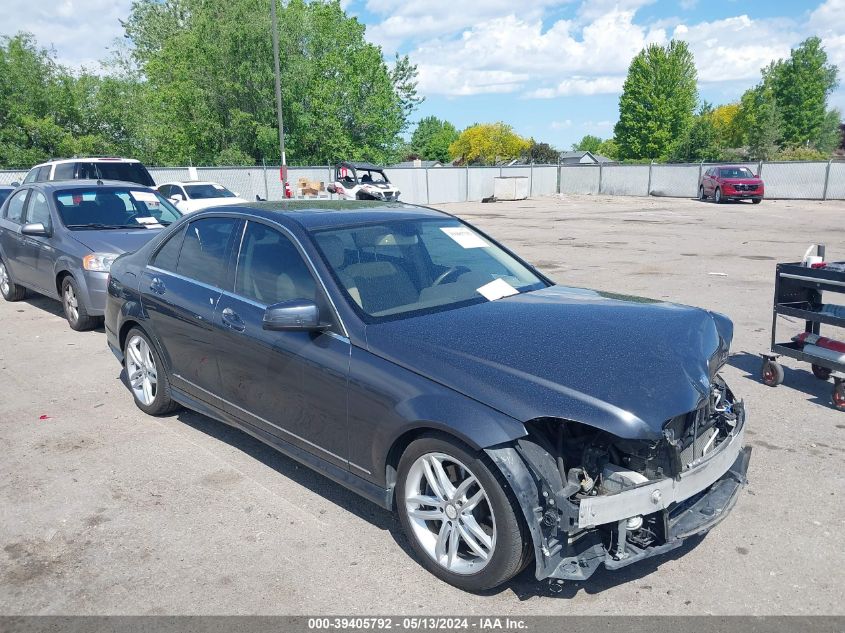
[(114, 208), (207, 191), (736, 172), (406, 267), (372, 176)]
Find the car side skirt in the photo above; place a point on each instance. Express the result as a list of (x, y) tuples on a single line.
[(369, 491)]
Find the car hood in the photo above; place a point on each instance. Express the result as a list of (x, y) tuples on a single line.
[(114, 241), (742, 181), (623, 364)]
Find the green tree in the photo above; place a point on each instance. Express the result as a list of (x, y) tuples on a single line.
[(209, 82), (800, 86), (701, 140), (609, 149), (431, 139), (760, 118), (488, 143), (658, 101), (588, 143), (540, 153)]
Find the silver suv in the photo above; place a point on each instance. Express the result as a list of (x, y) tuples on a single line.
[(91, 168)]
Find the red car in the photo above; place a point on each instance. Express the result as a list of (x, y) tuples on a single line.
[(730, 182)]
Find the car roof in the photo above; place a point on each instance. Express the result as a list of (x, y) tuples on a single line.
[(182, 183), (89, 159), (319, 214), (52, 185), (363, 166)]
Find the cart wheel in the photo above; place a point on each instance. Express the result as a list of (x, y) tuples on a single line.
[(822, 373), (772, 373), (838, 395)]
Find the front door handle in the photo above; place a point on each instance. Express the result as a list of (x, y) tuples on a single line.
[(232, 320), (157, 286)]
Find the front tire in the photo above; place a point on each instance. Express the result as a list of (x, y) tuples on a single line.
[(10, 290), (459, 517), (74, 309), (717, 196), (756, 200), (146, 376)]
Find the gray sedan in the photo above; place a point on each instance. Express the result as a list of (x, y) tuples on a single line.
[(60, 238)]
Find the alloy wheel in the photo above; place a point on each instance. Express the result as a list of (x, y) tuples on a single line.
[(450, 513), (4, 280), (141, 370), (71, 303)]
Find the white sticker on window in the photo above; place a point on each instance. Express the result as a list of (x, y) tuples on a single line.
[(144, 196), (465, 237), (150, 223), (497, 289), (219, 187)]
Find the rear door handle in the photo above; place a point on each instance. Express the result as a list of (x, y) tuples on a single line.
[(157, 286), (231, 320)]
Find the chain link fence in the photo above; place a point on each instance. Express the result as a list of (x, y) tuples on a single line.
[(437, 185)]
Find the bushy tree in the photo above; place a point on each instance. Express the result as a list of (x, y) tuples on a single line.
[(760, 119), (209, 73), (488, 143), (540, 153), (728, 132), (800, 86), (431, 139), (700, 141), (588, 143), (658, 101)]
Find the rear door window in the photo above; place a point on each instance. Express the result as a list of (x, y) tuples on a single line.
[(168, 255), (205, 251), (64, 171)]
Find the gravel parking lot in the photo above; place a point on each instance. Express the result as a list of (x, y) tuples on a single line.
[(108, 511)]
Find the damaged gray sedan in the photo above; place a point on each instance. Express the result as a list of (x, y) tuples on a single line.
[(411, 358)]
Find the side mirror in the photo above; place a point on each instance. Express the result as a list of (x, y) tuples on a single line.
[(15, 184), (260, 199), (36, 229), (297, 315), (331, 188)]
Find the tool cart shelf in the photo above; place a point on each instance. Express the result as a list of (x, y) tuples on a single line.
[(800, 292)]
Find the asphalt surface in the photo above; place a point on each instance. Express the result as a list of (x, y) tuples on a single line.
[(107, 511)]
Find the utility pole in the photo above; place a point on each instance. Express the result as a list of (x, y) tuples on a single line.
[(275, 27)]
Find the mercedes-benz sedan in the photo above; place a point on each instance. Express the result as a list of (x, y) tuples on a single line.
[(411, 358)]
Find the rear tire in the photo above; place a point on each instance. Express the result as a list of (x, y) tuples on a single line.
[(146, 376), (75, 312), (9, 289), (499, 551), (701, 194)]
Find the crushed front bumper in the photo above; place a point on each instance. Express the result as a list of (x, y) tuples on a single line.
[(573, 547)]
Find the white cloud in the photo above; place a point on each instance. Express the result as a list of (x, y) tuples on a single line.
[(79, 30), (580, 86), (736, 48), (828, 21), (561, 125)]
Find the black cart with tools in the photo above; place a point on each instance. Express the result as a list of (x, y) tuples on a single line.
[(800, 292)]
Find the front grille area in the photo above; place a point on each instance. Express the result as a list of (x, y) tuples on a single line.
[(744, 187)]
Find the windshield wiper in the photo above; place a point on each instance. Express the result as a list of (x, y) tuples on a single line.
[(95, 225)]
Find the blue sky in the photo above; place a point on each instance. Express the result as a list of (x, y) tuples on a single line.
[(551, 68)]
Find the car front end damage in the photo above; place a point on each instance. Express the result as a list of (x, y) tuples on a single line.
[(592, 498)]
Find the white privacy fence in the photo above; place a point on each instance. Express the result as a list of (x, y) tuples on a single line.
[(437, 185)]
